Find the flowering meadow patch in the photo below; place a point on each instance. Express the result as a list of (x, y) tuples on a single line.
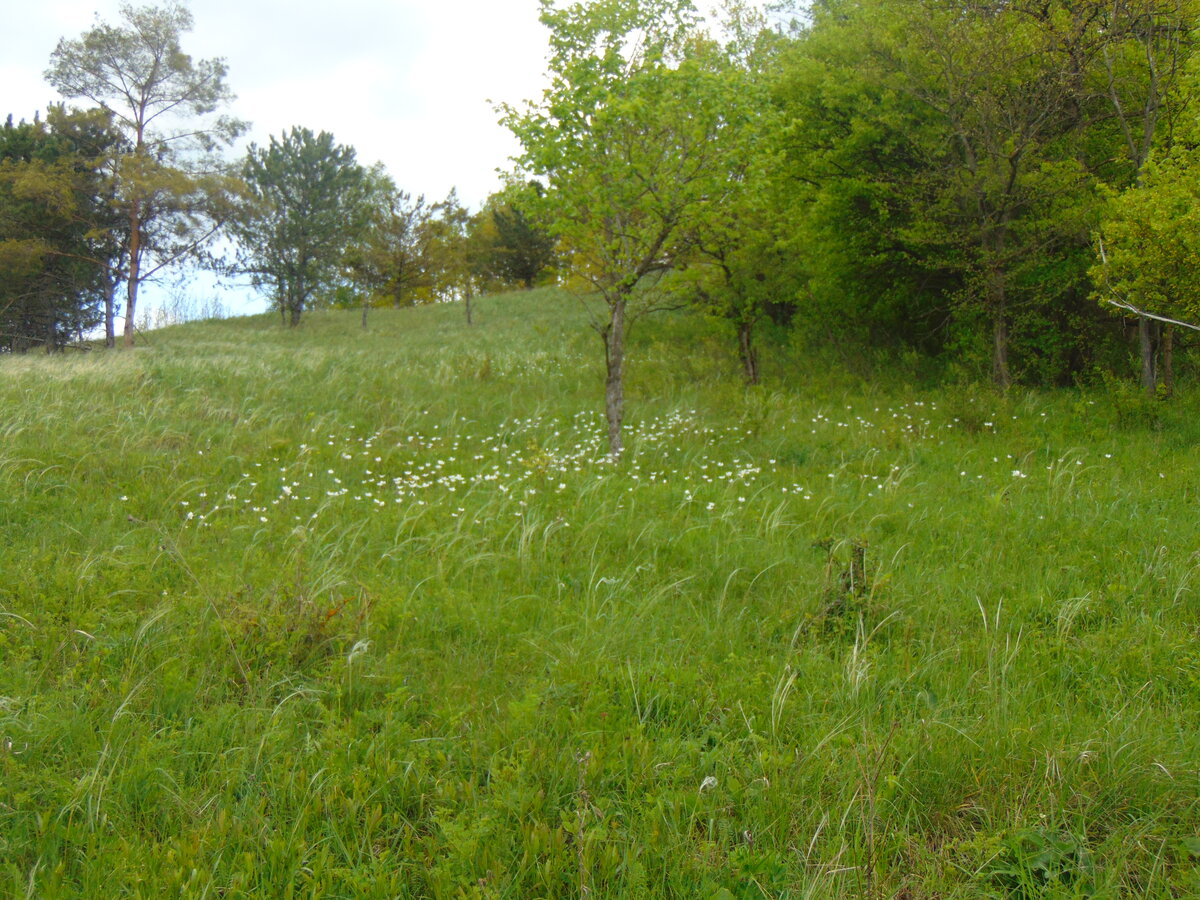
[(456, 470), (374, 614)]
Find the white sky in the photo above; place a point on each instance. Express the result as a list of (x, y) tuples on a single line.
[(406, 83), (409, 83)]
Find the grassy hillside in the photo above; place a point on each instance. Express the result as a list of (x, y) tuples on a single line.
[(340, 614)]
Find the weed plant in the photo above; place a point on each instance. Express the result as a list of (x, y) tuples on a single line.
[(339, 613)]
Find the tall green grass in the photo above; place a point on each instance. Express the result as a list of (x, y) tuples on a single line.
[(334, 613)]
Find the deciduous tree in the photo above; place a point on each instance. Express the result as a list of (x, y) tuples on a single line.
[(950, 157), (451, 274), (624, 139), (1145, 49), (745, 263), (393, 259), (1148, 263)]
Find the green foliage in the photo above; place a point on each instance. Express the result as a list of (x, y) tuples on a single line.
[(1150, 240), (627, 142), (1039, 862), (513, 248), (394, 258), (947, 157), (748, 262), (308, 204), (59, 243), (449, 250), (141, 69), (632, 76), (170, 187), (1146, 255), (507, 245), (952, 165)]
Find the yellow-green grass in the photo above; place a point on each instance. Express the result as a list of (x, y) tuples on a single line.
[(334, 613)]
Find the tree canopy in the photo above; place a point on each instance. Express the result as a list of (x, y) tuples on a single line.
[(168, 181), (919, 177), (60, 241), (308, 204), (625, 140)]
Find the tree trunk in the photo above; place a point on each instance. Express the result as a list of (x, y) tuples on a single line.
[(614, 382), (1168, 360), (1001, 376), (748, 352), (366, 306), (1147, 342), (294, 318), (110, 308), (135, 270), (110, 311), (997, 300), (467, 301)]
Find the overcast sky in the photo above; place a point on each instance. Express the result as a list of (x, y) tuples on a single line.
[(409, 83), (406, 83)]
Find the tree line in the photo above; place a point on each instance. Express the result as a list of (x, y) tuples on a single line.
[(99, 199), (1004, 185)]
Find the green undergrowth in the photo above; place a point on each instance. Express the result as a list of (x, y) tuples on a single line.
[(334, 613)]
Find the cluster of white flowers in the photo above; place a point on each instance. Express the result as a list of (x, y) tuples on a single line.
[(519, 460), (455, 470)]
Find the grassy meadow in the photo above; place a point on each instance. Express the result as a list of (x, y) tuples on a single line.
[(333, 613)]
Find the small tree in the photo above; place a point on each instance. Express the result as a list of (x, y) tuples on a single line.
[(392, 261), (624, 139), (171, 189), (451, 275), (506, 244), (743, 266), (309, 204), (521, 248), (60, 240), (742, 271)]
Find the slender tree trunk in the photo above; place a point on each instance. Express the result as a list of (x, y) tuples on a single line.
[(294, 318), (748, 352), (997, 303), (366, 306), (1168, 360), (110, 304), (1147, 343), (467, 301), (614, 382), (1001, 376), (135, 270), (995, 237)]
